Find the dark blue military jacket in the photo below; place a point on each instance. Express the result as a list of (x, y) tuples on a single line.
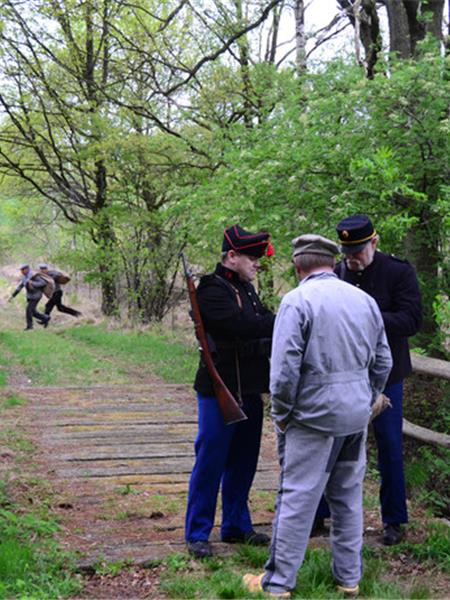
[(240, 329), (393, 284)]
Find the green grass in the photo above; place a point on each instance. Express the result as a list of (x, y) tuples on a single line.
[(31, 564), (3, 370), (49, 359), (435, 549), (156, 351), (12, 400), (222, 577), (89, 354)]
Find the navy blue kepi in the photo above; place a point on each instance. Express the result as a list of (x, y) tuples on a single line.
[(354, 232)]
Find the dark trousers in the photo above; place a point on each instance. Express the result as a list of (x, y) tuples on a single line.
[(227, 455), (56, 300), (387, 428), (33, 312)]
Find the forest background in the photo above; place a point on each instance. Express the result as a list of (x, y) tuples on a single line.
[(129, 132)]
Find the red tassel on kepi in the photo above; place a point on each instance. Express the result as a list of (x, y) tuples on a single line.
[(270, 250), (242, 241)]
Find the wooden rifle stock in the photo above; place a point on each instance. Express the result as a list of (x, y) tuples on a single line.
[(231, 411)]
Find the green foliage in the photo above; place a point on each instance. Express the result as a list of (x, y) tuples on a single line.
[(428, 476), (341, 144)]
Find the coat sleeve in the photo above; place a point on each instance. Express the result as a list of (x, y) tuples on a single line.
[(286, 360), (381, 364), (18, 289), (37, 283), (405, 317), (220, 309)]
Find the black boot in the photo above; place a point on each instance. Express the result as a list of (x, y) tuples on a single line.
[(252, 538), (393, 534), (319, 528), (200, 549)]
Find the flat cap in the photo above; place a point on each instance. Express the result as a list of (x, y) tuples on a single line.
[(24, 266), (354, 233), (309, 243), (42, 266), (245, 242)]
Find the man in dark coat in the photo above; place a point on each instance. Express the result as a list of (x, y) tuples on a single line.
[(56, 299), (392, 282), (240, 329), (34, 286)]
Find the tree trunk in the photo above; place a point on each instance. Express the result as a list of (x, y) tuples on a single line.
[(106, 243), (399, 28), (434, 25), (300, 37), (409, 23), (370, 35), (244, 60), (363, 16)]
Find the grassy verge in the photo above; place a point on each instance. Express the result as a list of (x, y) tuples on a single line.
[(222, 577), (89, 354), (48, 359), (156, 351), (31, 562)]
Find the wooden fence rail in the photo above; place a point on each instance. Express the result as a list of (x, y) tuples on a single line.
[(432, 367)]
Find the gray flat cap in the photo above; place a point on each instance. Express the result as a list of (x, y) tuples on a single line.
[(24, 266), (42, 266), (309, 243)]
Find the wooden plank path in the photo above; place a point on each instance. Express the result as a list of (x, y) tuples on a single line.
[(119, 457)]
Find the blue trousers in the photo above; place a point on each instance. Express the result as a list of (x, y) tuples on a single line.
[(387, 428), (227, 455)]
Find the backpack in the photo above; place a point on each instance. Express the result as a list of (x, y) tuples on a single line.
[(62, 278), (49, 283)]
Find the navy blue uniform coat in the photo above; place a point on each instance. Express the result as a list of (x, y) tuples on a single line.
[(392, 282)]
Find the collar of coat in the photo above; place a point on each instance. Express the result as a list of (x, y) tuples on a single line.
[(227, 274)]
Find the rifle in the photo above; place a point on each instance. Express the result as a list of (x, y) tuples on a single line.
[(231, 411)]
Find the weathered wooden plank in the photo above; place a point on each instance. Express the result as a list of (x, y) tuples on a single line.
[(86, 453), (426, 435), (434, 367), (152, 430), (138, 467), (93, 441), (263, 480)]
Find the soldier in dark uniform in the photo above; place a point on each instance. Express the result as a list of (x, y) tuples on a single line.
[(240, 330), (393, 284), (56, 299), (34, 286)]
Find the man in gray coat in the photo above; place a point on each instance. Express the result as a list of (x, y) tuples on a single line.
[(34, 286), (330, 361)]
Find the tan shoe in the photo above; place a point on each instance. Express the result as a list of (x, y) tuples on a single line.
[(349, 592), (252, 583)]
